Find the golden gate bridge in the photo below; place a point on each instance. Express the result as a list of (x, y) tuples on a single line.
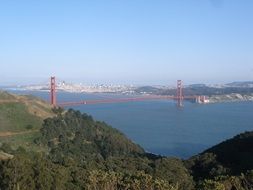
[(178, 97)]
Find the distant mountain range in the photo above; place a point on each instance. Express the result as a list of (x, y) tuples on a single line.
[(245, 84)]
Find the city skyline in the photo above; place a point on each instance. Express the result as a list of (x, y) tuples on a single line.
[(126, 42)]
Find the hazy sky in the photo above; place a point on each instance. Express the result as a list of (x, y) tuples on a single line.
[(126, 41)]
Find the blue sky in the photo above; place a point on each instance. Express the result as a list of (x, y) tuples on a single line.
[(126, 41)]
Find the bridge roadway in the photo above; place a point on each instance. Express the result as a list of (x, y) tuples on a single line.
[(122, 100)]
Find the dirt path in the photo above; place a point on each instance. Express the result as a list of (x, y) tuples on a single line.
[(9, 101), (9, 134)]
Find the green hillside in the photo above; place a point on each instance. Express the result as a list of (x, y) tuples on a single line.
[(87, 154), (21, 117), (228, 164), (18, 113), (65, 150), (236, 154)]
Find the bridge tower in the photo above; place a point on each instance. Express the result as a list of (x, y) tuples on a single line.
[(179, 93), (53, 91)]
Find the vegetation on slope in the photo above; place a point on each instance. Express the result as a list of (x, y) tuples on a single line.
[(228, 164), (33, 105), (240, 162), (80, 153), (35, 171), (86, 154), (21, 117)]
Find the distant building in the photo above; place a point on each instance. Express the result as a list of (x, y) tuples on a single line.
[(202, 100)]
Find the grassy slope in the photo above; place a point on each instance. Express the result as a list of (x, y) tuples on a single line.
[(21, 118)]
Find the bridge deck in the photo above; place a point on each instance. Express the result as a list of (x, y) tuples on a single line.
[(121, 100)]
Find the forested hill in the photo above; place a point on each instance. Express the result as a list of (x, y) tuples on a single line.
[(80, 153), (236, 154), (78, 135), (70, 150), (228, 165)]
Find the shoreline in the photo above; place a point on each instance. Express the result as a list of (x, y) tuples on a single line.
[(223, 98)]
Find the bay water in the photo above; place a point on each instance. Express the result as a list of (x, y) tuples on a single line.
[(160, 127)]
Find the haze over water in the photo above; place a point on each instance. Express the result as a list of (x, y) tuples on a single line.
[(162, 128)]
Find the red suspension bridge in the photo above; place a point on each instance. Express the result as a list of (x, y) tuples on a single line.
[(178, 97)]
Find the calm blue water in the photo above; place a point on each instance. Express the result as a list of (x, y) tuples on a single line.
[(161, 128)]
